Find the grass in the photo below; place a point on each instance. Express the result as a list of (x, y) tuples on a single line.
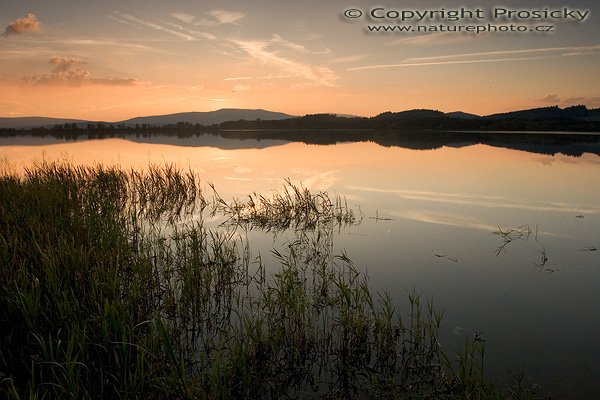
[(293, 207), (109, 291)]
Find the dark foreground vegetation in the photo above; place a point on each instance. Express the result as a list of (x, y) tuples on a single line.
[(109, 289)]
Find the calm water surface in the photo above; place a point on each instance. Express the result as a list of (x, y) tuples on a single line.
[(437, 213)]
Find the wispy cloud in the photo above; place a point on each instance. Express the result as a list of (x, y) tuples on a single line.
[(570, 101), (271, 52), (347, 59), (407, 64), (152, 25), (238, 78), (105, 42), (204, 35), (489, 57), (214, 18), (431, 39), (70, 71), (259, 50), (124, 21), (28, 23), (187, 18), (226, 17), (164, 26), (278, 40), (551, 99), (192, 32), (555, 51)]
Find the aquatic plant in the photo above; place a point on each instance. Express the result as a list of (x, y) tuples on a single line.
[(107, 290)]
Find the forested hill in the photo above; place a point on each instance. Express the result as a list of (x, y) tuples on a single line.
[(576, 119)]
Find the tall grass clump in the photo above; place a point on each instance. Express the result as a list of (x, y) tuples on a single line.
[(293, 207), (79, 294), (108, 291)]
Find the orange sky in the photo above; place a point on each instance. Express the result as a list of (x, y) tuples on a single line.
[(114, 60)]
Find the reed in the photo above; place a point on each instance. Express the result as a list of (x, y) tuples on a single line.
[(292, 207), (108, 290)]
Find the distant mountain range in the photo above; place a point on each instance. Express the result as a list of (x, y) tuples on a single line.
[(36, 122), (208, 118), (202, 118), (547, 118)]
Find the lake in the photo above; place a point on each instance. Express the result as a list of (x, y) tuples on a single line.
[(502, 239)]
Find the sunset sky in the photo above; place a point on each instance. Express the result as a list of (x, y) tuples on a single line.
[(112, 60)]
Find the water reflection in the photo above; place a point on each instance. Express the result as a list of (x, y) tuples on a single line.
[(433, 207)]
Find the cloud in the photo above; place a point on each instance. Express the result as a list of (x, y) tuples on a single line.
[(29, 23), (205, 35), (579, 100), (551, 98), (276, 39), (216, 17), (131, 19), (179, 31), (554, 99), (70, 71), (238, 78), (187, 18), (105, 42), (226, 17), (431, 39), (347, 59), (548, 51), (123, 21), (407, 64), (320, 75), (191, 32), (489, 57)]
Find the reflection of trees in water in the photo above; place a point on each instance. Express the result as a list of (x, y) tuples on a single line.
[(572, 144)]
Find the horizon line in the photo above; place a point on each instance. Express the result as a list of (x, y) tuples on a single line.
[(299, 116)]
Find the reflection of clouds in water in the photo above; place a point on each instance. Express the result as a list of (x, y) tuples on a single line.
[(444, 219), (480, 201), (242, 170), (408, 192), (314, 179), (457, 220), (353, 197), (321, 181)]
